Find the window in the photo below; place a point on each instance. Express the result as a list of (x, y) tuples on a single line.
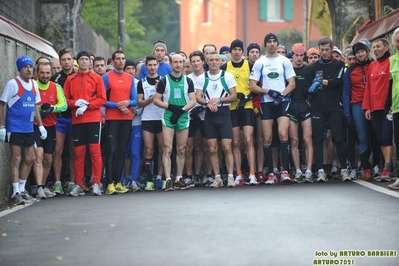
[(273, 10), (206, 11)]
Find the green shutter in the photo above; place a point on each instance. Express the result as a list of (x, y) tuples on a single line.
[(262, 9), (288, 10)]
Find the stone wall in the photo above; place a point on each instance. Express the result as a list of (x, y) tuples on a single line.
[(23, 12)]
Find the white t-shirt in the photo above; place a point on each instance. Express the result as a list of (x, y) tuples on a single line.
[(195, 81), (273, 73), (215, 88), (11, 90)]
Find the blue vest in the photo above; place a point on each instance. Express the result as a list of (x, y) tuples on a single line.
[(21, 110)]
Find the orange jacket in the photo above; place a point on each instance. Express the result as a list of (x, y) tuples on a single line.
[(88, 86)]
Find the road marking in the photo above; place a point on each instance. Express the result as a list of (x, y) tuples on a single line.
[(16, 208), (377, 188)]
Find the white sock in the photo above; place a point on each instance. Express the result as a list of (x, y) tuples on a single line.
[(308, 171), (275, 170), (22, 185), (217, 176), (15, 188), (178, 177), (168, 178), (57, 183), (230, 176), (299, 171), (159, 177), (321, 170)]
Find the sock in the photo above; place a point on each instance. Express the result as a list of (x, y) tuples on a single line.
[(230, 176), (159, 177), (267, 151), (309, 171), (252, 172), (178, 177), (57, 183), (15, 188), (321, 170), (298, 171), (239, 172), (168, 178), (217, 176), (388, 166), (22, 184), (334, 162), (275, 170)]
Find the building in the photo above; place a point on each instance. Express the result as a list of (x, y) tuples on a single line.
[(221, 21)]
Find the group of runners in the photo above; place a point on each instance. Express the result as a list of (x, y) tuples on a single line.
[(231, 117)]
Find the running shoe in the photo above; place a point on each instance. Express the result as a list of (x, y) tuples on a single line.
[(197, 180), (189, 181), (48, 193), (297, 178), (179, 184), (169, 185), (271, 179), (208, 181), (321, 177), (308, 177), (163, 184), (58, 188), (394, 185), (120, 188), (150, 186), (217, 183), (17, 199), (353, 174), (111, 189), (345, 175), (366, 175), (253, 181), (239, 181), (69, 188), (231, 182), (86, 188), (27, 198), (285, 177), (260, 178), (134, 187), (334, 169), (40, 193), (385, 176), (77, 191), (96, 191), (376, 171), (158, 183)]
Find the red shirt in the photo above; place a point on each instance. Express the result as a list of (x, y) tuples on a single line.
[(88, 86), (377, 85)]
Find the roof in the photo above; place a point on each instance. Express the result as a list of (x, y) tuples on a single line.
[(11, 30), (378, 28)]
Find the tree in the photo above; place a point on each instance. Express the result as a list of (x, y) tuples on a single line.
[(289, 36), (143, 25)]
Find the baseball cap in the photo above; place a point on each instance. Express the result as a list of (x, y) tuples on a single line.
[(298, 48), (336, 49), (312, 50)]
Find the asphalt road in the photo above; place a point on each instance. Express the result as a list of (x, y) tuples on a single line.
[(276, 225)]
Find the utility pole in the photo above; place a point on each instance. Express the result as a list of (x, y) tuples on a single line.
[(121, 25)]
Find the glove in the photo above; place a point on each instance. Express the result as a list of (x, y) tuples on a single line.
[(176, 109), (195, 111), (317, 81), (349, 122), (173, 119), (81, 110), (44, 113), (274, 94), (81, 102), (2, 134), (43, 132), (45, 106), (277, 100)]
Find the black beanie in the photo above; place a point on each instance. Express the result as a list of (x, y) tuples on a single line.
[(253, 46), (270, 36), (360, 46), (129, 62), (82, 53), (237, 43)]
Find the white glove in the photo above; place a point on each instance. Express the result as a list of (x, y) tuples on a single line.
[(81, 110), (81, 102), (2, 134), (43, 132)]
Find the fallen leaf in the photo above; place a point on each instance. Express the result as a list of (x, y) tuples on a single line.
[(58, 258), (66, 238), (84, 231), (16, 221), (3, 234), (112, 225)]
